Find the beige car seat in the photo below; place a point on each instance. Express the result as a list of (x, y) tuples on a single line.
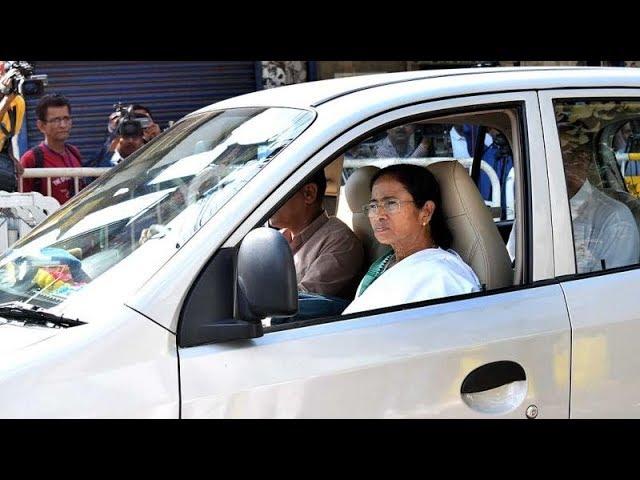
[(475, 235)]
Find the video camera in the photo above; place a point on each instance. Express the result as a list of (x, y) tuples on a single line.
[(130, 124), (23, 81)]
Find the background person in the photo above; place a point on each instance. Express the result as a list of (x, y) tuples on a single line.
[(127, 142), (12, 108), (54, 121), (104, 157), (400, 143)]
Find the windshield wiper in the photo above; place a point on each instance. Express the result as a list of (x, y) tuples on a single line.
[(35, 315)]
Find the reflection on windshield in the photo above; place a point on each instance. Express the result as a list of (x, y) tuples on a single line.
[(172, 187)]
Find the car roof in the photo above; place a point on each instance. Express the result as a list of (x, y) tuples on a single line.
[(458, 81)]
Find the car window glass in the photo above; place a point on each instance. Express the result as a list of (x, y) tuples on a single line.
[(424, 144), (169, 189), (419, 144), (599, 146)]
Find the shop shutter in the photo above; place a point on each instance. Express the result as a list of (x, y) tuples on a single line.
[(169, 89)]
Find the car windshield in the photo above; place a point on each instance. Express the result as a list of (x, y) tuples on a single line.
[(177, 182)]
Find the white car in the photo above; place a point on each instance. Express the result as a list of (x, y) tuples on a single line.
[(151, 293)]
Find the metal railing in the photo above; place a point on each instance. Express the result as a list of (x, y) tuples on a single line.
[(49, 173)]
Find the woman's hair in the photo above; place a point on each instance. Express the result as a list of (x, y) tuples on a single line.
[(422, 186)]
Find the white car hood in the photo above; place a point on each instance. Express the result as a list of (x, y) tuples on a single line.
[(14, 337)]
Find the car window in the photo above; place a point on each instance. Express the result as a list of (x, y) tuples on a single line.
[(352, 249), (170, 188), (599, 146)]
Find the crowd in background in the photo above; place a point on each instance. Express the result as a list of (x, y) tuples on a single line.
[(128, 129)]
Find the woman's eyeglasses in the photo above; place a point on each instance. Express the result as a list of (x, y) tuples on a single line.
[(390, 205)]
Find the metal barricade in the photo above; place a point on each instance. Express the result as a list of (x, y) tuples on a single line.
[(49, 173)]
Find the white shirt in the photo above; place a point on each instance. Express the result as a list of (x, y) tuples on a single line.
[(427, 274), (459, 144), (603, 228), (116, 158)]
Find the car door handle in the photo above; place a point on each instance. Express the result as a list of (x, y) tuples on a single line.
[(492, 375), (496, 387)]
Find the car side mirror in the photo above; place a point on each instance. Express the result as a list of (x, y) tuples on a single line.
[(238, 288), (266, 277)]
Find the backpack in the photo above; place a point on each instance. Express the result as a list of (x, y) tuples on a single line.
[(39, 154)]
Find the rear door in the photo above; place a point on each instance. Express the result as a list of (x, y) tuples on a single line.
[(596, 244)]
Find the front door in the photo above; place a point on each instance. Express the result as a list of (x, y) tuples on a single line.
[(495, 353)]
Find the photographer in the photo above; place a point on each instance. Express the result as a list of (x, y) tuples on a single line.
[(115, 145), (12, 108)]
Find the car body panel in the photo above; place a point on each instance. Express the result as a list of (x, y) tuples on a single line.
[(407, 363), (602, 309), (121, 365)]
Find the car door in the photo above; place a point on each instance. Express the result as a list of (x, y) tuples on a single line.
[(501, 353), (601, 299)]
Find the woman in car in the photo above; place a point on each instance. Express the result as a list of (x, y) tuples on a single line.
[(405, 212)]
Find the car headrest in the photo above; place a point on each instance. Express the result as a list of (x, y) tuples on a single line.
[(358, 189), (475, 235)]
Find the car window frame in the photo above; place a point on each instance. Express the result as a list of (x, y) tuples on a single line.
[(564, 248), (528, 102)]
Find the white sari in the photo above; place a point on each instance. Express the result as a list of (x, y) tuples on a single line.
[(427, 274)]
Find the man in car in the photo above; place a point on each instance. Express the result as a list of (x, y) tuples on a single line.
[(604, 231), (328, 256)]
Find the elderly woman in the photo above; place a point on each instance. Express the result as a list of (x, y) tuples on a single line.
[(405, 212)]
